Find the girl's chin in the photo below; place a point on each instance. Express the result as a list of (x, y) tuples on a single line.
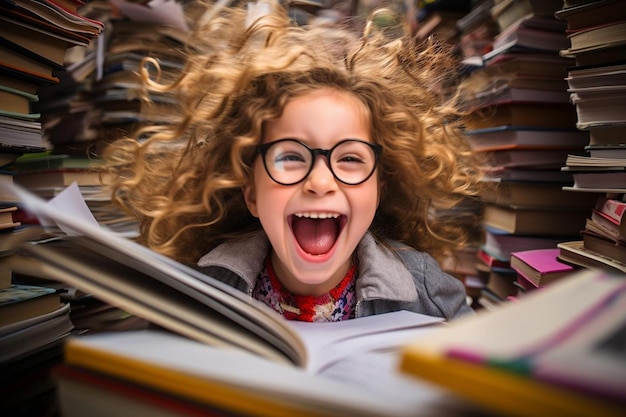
[(315, 279)]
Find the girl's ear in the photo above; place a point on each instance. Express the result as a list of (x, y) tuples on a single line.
[(249, 195)]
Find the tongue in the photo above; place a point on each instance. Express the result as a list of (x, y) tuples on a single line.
[(315, 236)]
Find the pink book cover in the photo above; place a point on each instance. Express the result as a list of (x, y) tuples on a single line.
[(543, 261)]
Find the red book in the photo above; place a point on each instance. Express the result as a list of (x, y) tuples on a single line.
[(612, 209), (491, 260), (540, 266)]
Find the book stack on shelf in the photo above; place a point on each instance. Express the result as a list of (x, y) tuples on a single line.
[(525, 124), (597, 84)]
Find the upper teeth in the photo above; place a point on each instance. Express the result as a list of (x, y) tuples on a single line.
[(318, 215)]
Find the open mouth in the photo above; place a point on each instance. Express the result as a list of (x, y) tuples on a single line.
[(316, 233)]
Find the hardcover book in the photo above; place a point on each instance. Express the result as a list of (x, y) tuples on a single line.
[(540, 266), (535, 221), (22, 302)]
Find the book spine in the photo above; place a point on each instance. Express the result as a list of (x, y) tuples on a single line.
[(612, 208)]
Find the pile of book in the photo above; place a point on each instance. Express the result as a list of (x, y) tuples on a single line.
[(100, 99), (34, 322), (34, 39), (597, 85), (603, 244), (525, 125)]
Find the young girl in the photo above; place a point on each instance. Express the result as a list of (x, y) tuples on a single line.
[(312, 169)]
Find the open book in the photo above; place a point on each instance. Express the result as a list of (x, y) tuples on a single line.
[(185, 301)]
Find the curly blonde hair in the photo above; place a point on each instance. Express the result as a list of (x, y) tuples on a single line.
[(183, 182)]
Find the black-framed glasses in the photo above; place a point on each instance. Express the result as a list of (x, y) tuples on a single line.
[(289, 161)]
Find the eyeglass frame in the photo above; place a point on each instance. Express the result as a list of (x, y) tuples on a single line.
[(264, 147)]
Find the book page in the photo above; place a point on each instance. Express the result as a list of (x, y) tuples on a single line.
[(377, 373), (330, 342)]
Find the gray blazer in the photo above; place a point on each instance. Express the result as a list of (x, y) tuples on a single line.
[(388, 280)]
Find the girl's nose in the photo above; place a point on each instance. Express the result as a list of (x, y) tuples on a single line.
[(320, 180)]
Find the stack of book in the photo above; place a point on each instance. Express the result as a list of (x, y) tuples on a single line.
[(48, 174), (603, 244), (33, 325), (101, 99), (525, 125), (498, 278), (476, 32), (597, 84), (35, 37)]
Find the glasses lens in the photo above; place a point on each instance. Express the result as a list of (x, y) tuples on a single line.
[(353, 161), (288, 161)]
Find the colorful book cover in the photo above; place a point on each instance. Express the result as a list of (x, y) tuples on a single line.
[(543, 261), (553, 352)]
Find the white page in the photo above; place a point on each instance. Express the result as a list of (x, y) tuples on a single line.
[(70, 201), (377, 374), (329, 342)]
